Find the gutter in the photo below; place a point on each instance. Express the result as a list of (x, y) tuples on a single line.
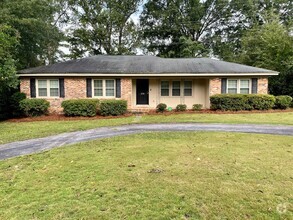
[(146, 74)]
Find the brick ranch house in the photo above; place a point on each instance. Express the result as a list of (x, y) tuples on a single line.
[(144, 81)]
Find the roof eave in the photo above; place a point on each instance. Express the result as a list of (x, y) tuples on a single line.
[(146, 74)]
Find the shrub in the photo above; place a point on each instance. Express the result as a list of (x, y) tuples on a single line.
[(229, 102), (14, 104), (197, 107), (113, 107), (283, 102), (238, 102), (181, 108), (161, 107), (34, 107), (262, 102), (291, 104), (80, 107)]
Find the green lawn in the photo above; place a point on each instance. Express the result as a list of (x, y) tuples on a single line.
[(183, 175), (11, 131)]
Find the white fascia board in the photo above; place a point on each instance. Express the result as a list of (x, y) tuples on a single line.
[(147, 74)]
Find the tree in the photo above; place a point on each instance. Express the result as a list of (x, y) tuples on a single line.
[(8, 43), (8, 79), (271, 46), (36, 23), (104, 27), (166, 22), (244, 15)]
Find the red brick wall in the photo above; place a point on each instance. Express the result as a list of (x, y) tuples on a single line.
[(126, 91), (75, 88), (215, 86)]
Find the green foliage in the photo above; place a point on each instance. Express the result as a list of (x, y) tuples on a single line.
[(80, 107), (104, 27), (34, 107), (239, 102), (14, 104), (35, 21), (261, 102), (113, 107), (161, 107), (181, 108), (197, 107), (179, 28), (283, 102), (8, 42)]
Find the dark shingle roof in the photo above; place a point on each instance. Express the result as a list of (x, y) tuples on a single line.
[(144, 65)]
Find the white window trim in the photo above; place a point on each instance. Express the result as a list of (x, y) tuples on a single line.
[(48, 89), (238, 85), (171, 88), (104, 89)]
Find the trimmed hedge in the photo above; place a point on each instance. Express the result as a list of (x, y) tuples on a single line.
[(283, 102), (80, 107), (161, 107), (197, 107), (34, 107), (113, 107), (181, 108), (238, 102)]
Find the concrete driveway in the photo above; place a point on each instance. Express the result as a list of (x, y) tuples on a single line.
[(41, 144)]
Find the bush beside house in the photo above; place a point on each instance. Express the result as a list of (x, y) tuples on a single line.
[(113, 107), (80, 107), (181, 108), (34, 107), (238, 102), (283, 102)]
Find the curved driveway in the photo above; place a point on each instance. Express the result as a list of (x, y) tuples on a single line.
[(36, 145)]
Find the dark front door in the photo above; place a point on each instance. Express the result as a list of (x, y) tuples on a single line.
[(142, 91)]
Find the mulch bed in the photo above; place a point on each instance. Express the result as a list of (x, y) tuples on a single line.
[(60, 117)]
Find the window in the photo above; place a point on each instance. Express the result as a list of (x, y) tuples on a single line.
[(244, 86), (176, 88), (232, 86), (241, 86), (104, 88), (110, 88), (187, 88), (98, 87), (48, 87), (165, 88)]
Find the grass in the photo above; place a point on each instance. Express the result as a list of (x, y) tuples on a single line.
[(12, 131), (183, 175)]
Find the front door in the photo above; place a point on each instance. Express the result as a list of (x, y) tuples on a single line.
[(142, 91)]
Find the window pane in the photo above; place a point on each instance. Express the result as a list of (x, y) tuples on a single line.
[(110, 89), (232, 91), (42, 92), (54, 92), (232, 84), (42, 88), (187, 88), (54, 84), (54, 87), (165, 88), (244, 91), (42, 84), (244, 84), (176, 88), (98, 87)]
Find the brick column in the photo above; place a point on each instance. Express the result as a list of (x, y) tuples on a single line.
[(215, 86), (262, 87), (25, 86), (126, 91)]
